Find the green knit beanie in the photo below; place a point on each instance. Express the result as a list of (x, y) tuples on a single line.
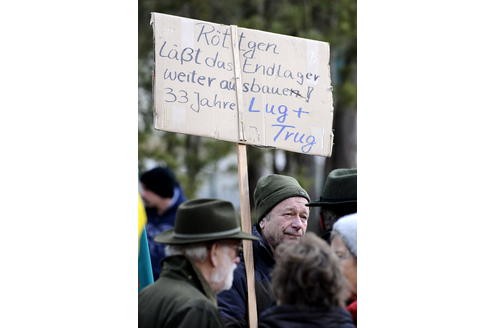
[(272, 189)]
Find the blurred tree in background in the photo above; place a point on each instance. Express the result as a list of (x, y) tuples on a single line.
[(324, 20)]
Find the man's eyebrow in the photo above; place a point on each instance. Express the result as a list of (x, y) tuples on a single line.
[(293, 209)]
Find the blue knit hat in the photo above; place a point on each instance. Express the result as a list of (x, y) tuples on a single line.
[(160, 180)]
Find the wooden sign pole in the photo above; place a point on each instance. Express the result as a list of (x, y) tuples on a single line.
[(242, 172), (246, 227)]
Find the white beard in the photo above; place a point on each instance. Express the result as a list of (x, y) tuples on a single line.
[(224, 275), (230, 277)]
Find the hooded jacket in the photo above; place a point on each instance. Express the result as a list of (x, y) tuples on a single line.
[(179, 298), (293, 316), (232, 303), (157, 224)]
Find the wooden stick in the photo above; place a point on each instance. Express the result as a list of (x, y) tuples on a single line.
[(246, 227), (244, 185)]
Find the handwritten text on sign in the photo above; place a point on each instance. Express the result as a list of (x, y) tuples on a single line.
[(284, 84)]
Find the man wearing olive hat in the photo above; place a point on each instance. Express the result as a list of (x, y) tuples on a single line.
[(338, 198), (282, 216), (202, 253)]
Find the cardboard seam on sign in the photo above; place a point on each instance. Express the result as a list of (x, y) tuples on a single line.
[(266, 62), (153, 72), (238, 82)]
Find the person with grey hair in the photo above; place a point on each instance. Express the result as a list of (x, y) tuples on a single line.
[(202, 254), (343, 241), (309, 287)]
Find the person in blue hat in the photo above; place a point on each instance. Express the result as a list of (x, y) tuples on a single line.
[(162, 195)]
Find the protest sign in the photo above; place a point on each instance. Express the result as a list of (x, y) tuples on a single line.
[(244, 86), (267, 90)]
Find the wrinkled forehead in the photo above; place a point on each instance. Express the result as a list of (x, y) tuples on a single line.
[(294, 204)]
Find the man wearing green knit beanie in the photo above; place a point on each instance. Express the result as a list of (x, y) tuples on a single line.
[(281, 215), (279, 200)]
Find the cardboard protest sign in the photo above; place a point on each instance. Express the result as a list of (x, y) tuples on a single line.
[(268, 89)]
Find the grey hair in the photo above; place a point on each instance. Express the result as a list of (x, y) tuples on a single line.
[(308, 273), (346, 229), (267, 218), (194, 252)]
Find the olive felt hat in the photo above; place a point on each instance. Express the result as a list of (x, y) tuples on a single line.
[(201, 220), (272, 189), (340, 188)]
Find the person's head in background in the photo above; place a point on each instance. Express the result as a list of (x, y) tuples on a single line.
[(158, 188), (308, 274), (280, 209), (343, 242), (338, 198)]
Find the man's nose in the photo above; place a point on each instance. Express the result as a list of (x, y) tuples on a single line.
[(297, 222)]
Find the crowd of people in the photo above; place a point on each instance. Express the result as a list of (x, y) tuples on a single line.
[(300, 279)]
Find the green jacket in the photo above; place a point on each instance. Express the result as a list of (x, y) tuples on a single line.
[(179, 298)]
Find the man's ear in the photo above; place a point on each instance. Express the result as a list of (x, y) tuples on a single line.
[(213, 255), (262, 223)]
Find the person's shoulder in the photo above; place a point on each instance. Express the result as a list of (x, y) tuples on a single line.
[(201, 303), (175, 288), (183, 294), (340, 316), (195, 312), (201, 307)]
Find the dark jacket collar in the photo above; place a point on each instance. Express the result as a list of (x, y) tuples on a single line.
[(263, 254), (304, 316), (177, 199), (179, 267)]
